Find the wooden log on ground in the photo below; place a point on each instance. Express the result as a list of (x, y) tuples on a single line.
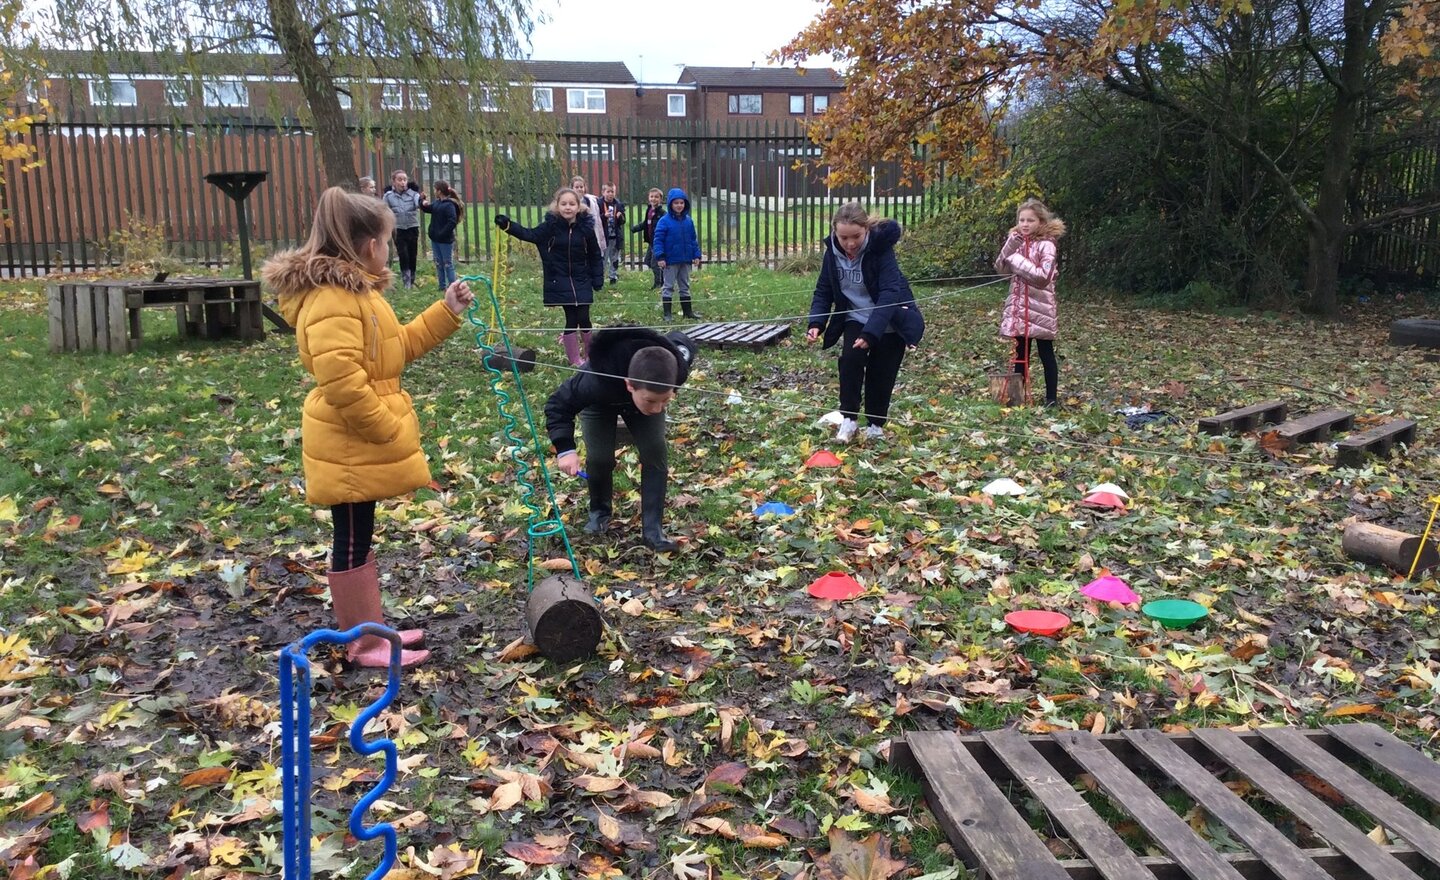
[(564, 619), (523, 359), (1393, 549), (1007, 389)]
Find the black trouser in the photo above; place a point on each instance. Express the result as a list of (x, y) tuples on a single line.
[(597, 425), (407, 244), (655, 271), (871, 370), (1046, 348), (354, 530), (576, 318)]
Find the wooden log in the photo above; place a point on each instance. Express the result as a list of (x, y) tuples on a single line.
[(522, 359), (564, 619), (1395, 550), (1007, 389)]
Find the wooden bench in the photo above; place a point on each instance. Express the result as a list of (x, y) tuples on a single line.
[(1314, 428), (741, 335), (966, 780), (1378, 440), (105, 315), (1246, 418)]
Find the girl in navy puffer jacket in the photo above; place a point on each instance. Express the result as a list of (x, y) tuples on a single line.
[(572, 262)]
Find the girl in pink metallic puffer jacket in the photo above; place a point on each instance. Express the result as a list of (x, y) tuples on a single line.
[(1028, 257)]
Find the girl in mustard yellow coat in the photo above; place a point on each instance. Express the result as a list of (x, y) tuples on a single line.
[(359, 432)]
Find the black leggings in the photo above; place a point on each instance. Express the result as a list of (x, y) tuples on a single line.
[(577, 318), (407, 245), (354, 529), (1046, 348)]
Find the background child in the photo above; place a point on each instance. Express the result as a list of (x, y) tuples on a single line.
[(367, 187), (652, 367), (676, 249), (571, 264), (591, 205), (405, 201), (862, 296), (446, 212), (612, 216), (1029, 256), (646, 227), (360, 437)]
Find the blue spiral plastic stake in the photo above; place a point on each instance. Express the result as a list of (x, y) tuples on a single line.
[(295, 749), (539, 525)]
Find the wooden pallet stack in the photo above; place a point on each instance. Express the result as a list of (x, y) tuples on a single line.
[(1313, 428), (105, 315), (966, 780)]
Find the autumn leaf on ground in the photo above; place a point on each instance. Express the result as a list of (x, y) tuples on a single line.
[(851, 859), (533, 854)]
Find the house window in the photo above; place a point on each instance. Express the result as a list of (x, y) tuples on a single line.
[(585, 100), (113, 92), (419, 98), (745, 104), (544, 100), (225, 93), (675, 105), (177, 92), (483, 99), (390, 98), (821, 103), (603, 152), (346, 101), (797, 104)]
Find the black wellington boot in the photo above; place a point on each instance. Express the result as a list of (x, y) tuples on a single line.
[(686, 310), (601, 489), (652, 509)]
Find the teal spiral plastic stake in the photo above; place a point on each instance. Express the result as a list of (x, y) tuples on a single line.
[(540, 523)]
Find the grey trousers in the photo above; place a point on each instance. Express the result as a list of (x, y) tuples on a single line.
[(676, 275)]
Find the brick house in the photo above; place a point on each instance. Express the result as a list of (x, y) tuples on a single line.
[(769, 93), (261, 87)]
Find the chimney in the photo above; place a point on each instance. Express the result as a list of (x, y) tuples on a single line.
[(752, 65)]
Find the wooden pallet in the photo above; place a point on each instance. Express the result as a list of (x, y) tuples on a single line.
[(965, 779), (751, 336), (1314, 428), (1246, 418), (1378, 440)]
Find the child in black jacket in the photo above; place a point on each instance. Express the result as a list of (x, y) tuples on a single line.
[(632, 374), (570, 258), (646, 227)]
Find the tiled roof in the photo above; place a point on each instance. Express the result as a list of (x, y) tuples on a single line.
[(764, 77), (70, 61)]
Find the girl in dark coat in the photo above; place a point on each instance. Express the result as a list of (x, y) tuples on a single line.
[(573, 265), (862, 297)]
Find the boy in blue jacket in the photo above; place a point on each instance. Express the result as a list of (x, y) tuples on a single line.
[(676, 249)]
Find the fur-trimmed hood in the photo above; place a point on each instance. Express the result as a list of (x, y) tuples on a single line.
[(293, 275)]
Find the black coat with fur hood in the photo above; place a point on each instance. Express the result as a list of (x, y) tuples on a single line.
[(601, 379), (570, 258)]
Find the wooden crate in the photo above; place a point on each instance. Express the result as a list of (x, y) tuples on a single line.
[(105, 315), (738, 335), (963, 778)]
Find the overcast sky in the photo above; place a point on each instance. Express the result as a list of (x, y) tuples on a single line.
[(669, 33)]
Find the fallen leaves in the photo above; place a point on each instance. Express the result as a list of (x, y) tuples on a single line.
[(851, 859)]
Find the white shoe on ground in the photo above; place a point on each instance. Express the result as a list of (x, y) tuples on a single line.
[(848, 427), (874, 432)]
